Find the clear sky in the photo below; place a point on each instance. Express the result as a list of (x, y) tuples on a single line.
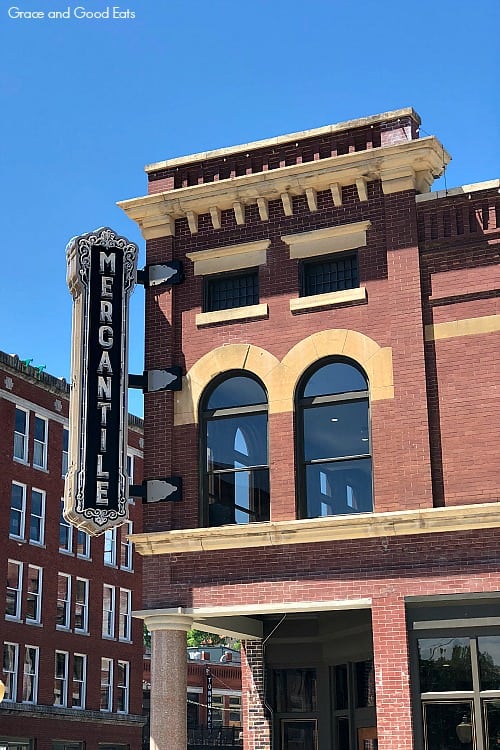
[(85, 103)]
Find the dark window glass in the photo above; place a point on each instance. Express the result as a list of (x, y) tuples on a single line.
[(444, 664), (448, 725), (237, 391), (226, 292), (343, 740), (341, 688), (295, 690), (236, 473), (330, 275), (492, 721), (335, 442), (365, 684), (65, 439), (40, 429), (20, 421), (489, 662)]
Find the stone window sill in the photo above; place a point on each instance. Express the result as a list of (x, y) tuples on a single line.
[(330, 299), (234, 313)]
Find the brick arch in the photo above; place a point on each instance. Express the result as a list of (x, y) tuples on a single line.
[(280, 378)]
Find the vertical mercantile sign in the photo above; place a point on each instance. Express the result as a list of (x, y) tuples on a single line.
[(101, 274)]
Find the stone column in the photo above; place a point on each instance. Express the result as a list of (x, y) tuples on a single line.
[(168, 719)]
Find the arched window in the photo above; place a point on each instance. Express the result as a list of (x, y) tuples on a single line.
[(234, 462), (334, 451)]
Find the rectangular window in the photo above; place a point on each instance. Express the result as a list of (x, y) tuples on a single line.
[(65, 532), (17, 510), (61, 678), (34, 595), (329, 275), (126, 546), (234, 711), (37, 517), (229, 291), (40, 443), (65, 449), (106, 684), (14, 590), (130, 468), (122, 681), (108, 611), (30, 674), (110, 547), (81, 605), (125, 615), (63, 601), (21, 435), (82, 544), (217, 710), (10, 656), (78, 684)]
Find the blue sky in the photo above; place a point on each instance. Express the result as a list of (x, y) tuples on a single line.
[(86, 103)]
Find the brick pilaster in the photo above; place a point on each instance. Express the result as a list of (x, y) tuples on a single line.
[(256, 722)]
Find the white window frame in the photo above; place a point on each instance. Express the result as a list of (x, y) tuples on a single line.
[(23, 438), (82, 683), (17, 589), (63, 679), (63, 524), (83, 604), (42, 444), (108, 686), (126, 546), (36, 595), (33, 674), (108, 614), (125, 616), (10, 675), (65, 453), (41, 517), (110, 547), (66, 602), (21, 512), (124, 687), (130, 468), (85, 553)]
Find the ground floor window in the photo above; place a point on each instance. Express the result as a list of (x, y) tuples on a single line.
[(459, 678), (15, 743)]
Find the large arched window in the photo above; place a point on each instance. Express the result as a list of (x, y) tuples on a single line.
[(234, 462), (334, 451)]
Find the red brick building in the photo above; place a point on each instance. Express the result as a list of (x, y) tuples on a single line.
[(337, 436), (72, 654)]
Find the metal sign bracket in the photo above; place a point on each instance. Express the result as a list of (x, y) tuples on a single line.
[(158, 490)]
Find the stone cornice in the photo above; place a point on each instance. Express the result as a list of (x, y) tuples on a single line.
[(331, 528), (412, 165)]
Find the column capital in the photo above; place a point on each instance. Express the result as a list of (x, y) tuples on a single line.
[(165, 619)]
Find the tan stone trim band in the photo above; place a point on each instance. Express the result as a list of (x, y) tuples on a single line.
[(280, 378), (465, 327), (325, 241), (330, 299), (229, 257), (233, 313), (329, 529)]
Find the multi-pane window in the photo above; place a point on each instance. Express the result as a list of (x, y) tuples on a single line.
[(234, 710), (81, 605), (65, 449), (126, 546), (108, 611), (65, 532), (21, 435), (82, 544), (106, 684), (10, 657), (334, 455), (235, 455), (14, 590), (61, 678), (460, 691), (63, 601), (17, 510), (78, 683), (110, 547), (329, 275), (130, 468), (217, 710), (122, 686), (30, 674), (37, 516), (40, 443), (34, 594), (231, 290), (125, 617)]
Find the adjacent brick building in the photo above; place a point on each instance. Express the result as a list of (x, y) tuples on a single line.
[(72, 654), (337, 436)]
